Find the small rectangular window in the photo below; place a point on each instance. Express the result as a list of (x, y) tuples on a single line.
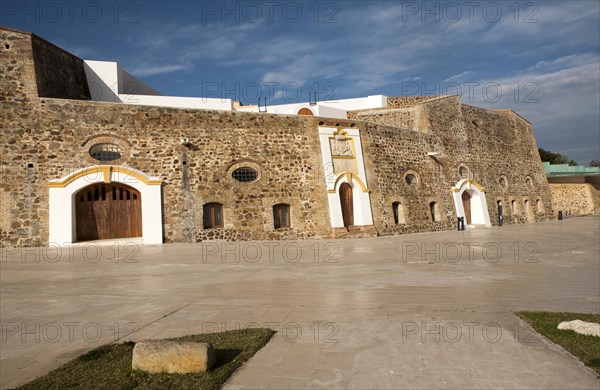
[(281, 216), (213, 215)]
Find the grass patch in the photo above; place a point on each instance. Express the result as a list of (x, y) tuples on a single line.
[(585, 348), (109, 366)]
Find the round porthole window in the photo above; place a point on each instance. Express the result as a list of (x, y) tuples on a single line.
[(106, 152), (503, 181), (410, 179), (529, 183), (245, 174)]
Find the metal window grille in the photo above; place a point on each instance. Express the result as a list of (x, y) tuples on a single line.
[(245, 175), (106, 152)]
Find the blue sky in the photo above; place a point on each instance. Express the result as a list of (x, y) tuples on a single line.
[(541, 58)]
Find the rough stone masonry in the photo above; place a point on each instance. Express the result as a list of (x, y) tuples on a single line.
[(49, 123)]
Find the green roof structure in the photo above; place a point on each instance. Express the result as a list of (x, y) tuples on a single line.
[(564, 170)]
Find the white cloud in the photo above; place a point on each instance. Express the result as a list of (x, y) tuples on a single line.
[(565, 61), (560, 97), (151, 70), (460, 76), (563, 81)]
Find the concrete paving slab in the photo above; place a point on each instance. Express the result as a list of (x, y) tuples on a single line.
[(430, 310)]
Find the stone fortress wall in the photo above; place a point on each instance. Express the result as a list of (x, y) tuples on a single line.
[(49, 123), (490, 145), (575, 198)]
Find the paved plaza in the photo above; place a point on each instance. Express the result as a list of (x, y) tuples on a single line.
[(432, 310)]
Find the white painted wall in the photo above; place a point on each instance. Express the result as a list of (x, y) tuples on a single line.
[(361, 199), (178, 102), (330, 112), (109, 82), (374, 101), (62, 218), (292, 109), (103, 80), (328, 109)]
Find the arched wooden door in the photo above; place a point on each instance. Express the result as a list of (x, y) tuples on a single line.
[(305, 111), (104, 211), (347, 205), (466, 200)]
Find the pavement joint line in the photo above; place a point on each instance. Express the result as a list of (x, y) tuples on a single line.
[(289, 377), (152, 322)]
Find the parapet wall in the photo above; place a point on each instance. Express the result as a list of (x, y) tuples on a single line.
[(405, 118), (32, 67), (407, 101), (59, 74)]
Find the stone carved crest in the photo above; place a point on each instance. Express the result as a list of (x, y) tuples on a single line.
[(340, 147)]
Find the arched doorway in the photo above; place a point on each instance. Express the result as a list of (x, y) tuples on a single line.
[(347, 204), (305, 111), (105, 211), (65, 193), (470, 203), (466, 200)]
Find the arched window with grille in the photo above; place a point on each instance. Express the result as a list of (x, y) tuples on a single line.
[(213, 215), (281, 216)]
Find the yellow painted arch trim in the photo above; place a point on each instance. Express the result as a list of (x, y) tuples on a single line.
[(106, 171), (349, 178), (470, 182)]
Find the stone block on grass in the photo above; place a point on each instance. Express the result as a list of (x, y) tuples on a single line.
[(582, 327), (161, 356)]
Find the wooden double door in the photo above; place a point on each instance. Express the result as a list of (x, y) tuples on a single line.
[(105, 211)]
